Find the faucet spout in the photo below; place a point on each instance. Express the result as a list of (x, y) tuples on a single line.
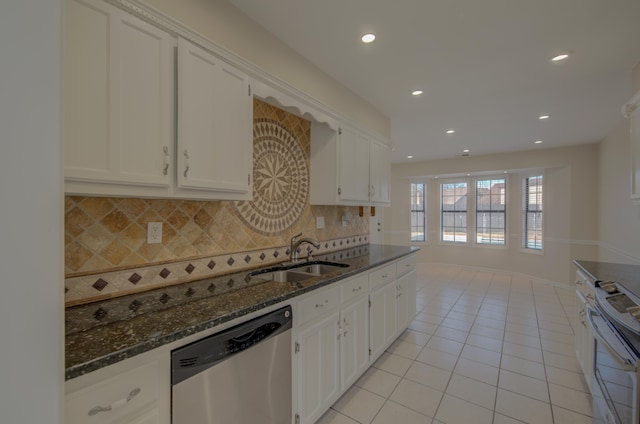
[(295, 244)]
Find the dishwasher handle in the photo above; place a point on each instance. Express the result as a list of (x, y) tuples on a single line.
[(207, 352)]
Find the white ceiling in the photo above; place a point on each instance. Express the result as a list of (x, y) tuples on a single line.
[(483, 65)]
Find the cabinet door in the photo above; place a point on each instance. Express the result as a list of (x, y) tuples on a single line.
[(318, 382), (215, 141), (380, 172), (405, 301), (118, 94), (382, 319), (584, 341), (149, 417), (354, 166), (354, 345)]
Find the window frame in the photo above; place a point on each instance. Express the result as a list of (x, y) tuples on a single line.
[(453, 242), (503, 212), (525, 211), (418, 211)]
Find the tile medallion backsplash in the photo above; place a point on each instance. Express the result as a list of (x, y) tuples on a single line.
[(106, 250)]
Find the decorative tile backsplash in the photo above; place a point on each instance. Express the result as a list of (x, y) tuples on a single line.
[(106, 253)]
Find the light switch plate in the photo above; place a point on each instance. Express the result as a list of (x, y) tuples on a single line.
[(319, 222)]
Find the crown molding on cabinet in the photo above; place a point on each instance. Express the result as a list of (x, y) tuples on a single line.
[(264, 84)]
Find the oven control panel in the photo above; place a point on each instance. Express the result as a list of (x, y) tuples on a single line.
[(620, 304)]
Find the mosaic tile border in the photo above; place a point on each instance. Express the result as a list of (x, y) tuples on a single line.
[(96, 287), (90, 315)]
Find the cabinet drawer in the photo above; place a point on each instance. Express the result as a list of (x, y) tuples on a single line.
[(139, 386), (317, 304), (355, 287), (382, 275), (585, 286), (405, 265)]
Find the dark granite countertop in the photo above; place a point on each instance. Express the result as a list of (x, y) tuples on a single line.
[(103, 333), (625, 274)]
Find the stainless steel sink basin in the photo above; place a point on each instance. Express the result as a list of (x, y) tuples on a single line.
[(294, 273), (285, 276), (320, 268)]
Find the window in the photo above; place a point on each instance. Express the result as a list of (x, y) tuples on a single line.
[(453, 208), (532, 211), (491, 211), (418, 217)]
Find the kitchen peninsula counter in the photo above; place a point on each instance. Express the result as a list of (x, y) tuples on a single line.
[(103, 333)]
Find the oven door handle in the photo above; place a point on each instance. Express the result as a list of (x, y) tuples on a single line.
[(626, 364)]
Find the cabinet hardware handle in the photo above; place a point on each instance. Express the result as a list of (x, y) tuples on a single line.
[(115, 405), (590, 296), (579, 282), (346, 327), (339, 330), (356, 289), (321, 305), (187, 162), (339, 191), (385, 276), (165, 170), (373, 190)]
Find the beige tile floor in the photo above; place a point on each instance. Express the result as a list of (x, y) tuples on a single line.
[(485, 347)]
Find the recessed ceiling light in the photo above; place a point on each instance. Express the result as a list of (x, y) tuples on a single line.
[(451, 131), (505, 172), (559, 57), (410, 157), (465, 151), (468, 175), (538, 142), (368, 38), (416, 93), (543, 117)]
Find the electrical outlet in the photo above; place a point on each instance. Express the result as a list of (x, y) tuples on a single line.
[(345, 220), (154, 232), (319, 222)]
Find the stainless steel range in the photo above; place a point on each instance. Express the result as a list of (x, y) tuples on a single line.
[(615, 323)]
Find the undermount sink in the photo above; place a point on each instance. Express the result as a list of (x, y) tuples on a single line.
[(294, 273), (283, 276), (320, 268)]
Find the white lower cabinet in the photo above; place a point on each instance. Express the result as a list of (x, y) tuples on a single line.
[(584, 341), (139, 395), (382, 318), (317, 355), (354, 352), (341, 330)]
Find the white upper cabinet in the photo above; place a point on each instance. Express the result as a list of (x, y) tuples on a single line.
[(215, 140), (353, 158), (118, 98), (348, 168), (632, 111)]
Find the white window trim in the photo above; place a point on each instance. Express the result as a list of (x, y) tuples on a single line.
[(507, 194), (522, 242), (426, 215), (470, 203)]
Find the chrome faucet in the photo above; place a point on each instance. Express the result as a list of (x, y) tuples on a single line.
[(295, 244)]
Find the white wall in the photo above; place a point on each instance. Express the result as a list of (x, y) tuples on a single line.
[(31, 311), (227, 26), (570, 211)]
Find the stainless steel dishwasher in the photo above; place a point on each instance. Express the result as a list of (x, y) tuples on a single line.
[(241, 375)]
